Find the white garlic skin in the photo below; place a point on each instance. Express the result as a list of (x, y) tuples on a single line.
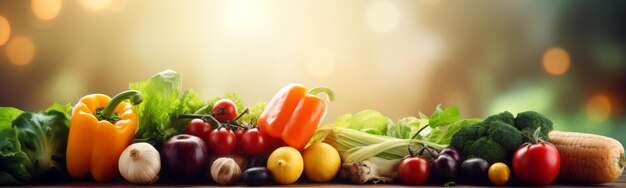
[(225, 171), (140, 163)]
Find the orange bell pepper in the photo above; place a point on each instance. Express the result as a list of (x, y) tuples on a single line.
[(293, 114), (99, 134)]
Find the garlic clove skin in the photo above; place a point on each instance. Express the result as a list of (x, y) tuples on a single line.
[(140, 163), (225, 171)]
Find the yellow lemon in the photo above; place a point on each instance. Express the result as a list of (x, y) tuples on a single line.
[(321, 162), (499, 173), (285, 164)]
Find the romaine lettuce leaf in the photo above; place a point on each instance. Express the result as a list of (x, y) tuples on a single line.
[(369, 121), (162, 100)]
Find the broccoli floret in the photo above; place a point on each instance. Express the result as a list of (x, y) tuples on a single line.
[(529, 122), (488, 149), (504, 117), (494, 141)]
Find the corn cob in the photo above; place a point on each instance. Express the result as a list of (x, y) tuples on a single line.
[(588, 158)]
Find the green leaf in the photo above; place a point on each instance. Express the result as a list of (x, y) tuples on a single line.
[(7, 115), (443, 134), (254, 113), (14, 163), (189, 103), (404, 127), (43, 137), (64, 109), (160, 94), (444, 117), (369, 121)]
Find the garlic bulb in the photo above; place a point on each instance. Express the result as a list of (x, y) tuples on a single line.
[(225, 171), (140, 163)]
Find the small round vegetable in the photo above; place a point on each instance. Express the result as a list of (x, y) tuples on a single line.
[(222, 141), (414, 170), (256, 176), (474, 170), (444, 168), (499, 173), (199, 128), (454, 153), (140, 163), (225, 171), (253, 142), (536, 164), (224, 110)]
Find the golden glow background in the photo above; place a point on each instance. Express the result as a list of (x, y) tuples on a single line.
[(561, 58)]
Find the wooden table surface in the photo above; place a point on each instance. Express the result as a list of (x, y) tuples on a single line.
[(620, 182)]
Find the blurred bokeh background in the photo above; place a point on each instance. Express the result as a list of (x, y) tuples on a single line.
[(563, 58)]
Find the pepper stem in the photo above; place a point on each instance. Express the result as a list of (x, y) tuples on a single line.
[(108, 114), (329, 92)]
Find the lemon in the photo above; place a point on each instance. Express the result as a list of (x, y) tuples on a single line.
[(321, 162), (285, 165)]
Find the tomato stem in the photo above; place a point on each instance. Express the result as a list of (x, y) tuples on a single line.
[(242, 113)]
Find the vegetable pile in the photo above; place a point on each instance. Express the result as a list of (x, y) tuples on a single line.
[(157, 133), (496, 138)]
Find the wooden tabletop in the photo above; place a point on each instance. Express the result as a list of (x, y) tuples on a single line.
[(620, 182)]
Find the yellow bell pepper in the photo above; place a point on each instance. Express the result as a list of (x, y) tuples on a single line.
[(99, 134)]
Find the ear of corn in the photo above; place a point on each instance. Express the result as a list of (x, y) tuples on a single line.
[(588, 158)]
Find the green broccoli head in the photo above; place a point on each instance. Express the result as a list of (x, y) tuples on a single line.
[(528, 122), (486, 148), (494, 141), (504, 117)]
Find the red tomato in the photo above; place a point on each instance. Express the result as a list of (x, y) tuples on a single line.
[(199, 128), (253, 142), (536, 164), (414, 170), (239, 133), (222, 141), (224, 110)]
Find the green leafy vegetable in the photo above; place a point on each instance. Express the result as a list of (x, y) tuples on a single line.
[(7, 115), (444, 136), (369, 121), (444, 117), (32, 144), (370, 134), (405, 127), (14, 163), (162, 100), (254, 113)]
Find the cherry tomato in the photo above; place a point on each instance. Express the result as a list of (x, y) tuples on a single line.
[(253, 142), (224, 110), (222, 141), (239, 133), (414, 170), (199, 128), (536, 164)]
